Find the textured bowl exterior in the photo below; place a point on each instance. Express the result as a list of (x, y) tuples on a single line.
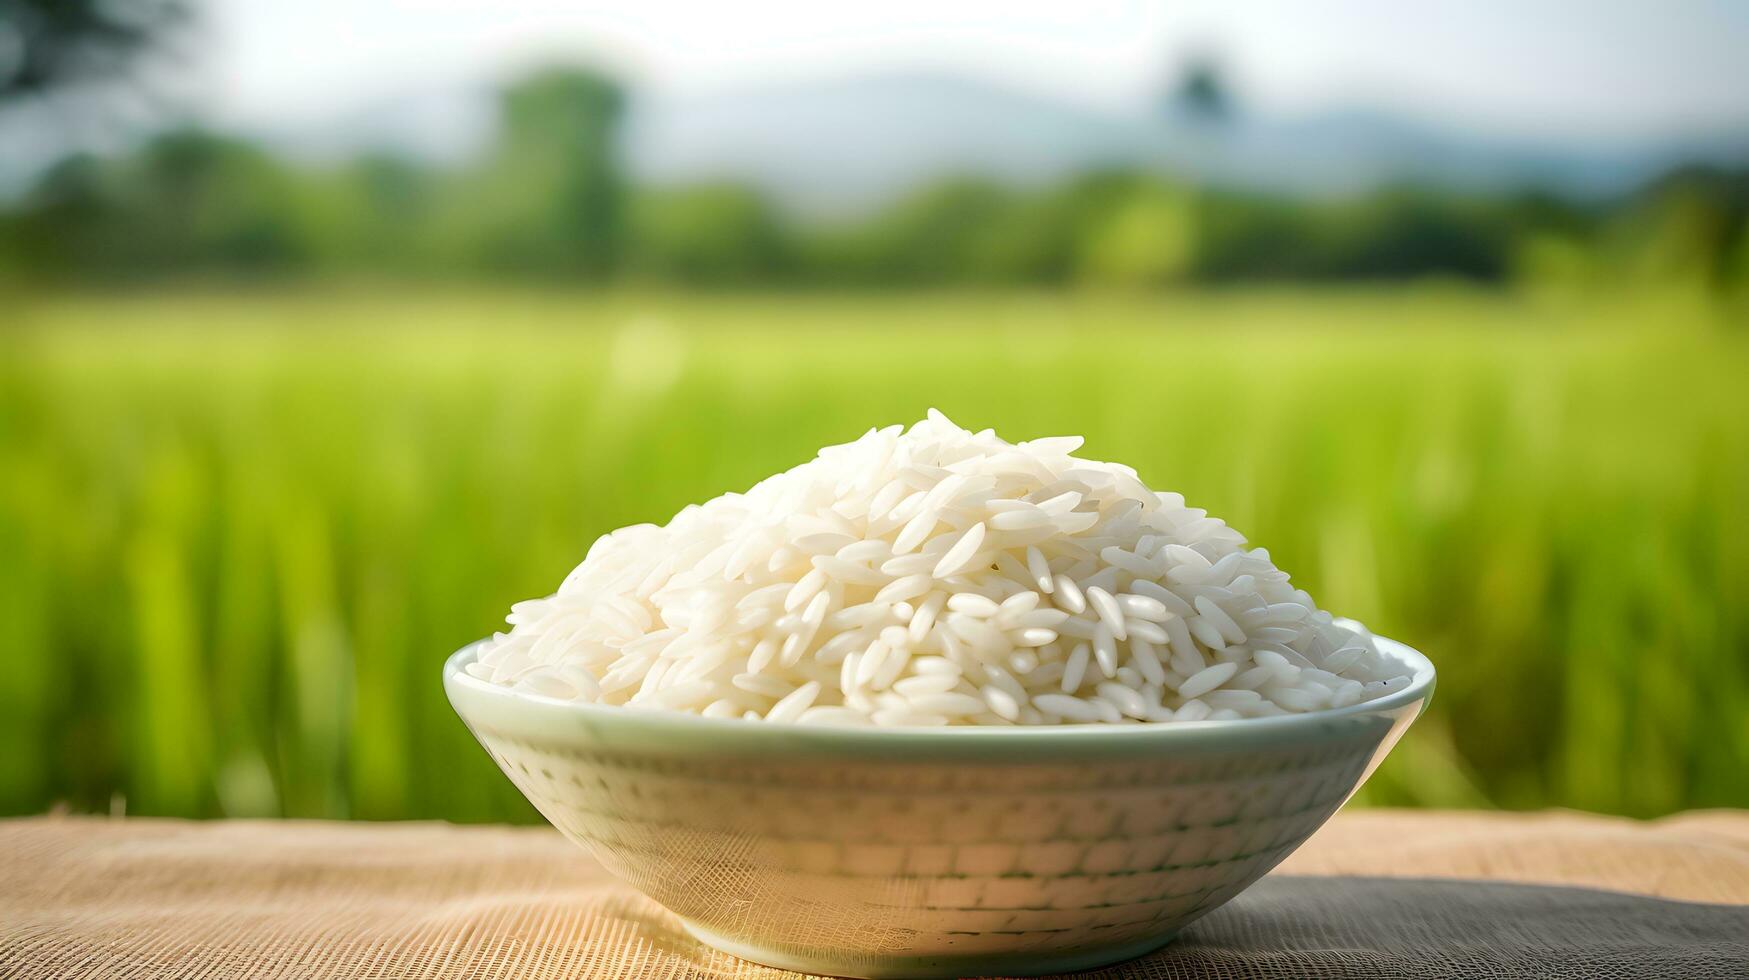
[(882, 853)]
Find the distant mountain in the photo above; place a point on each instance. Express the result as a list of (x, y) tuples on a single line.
[(845, 145), (849, 143), (445, 126)]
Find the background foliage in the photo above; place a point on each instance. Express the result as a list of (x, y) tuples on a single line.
[(547, 203)]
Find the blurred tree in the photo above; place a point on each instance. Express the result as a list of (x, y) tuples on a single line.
[(1254, 236), (375, 214), (47, 44), (710, 234), (188, 202), (62, 223), (1550, 249), (1145, 235), (1408, 232), (944, 232), (1032, 240), (550, 198), (1684, 228), (207, 201), (1554, 264), (1201, 92)]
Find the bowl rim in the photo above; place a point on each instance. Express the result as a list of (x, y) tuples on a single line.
[(506, 710)]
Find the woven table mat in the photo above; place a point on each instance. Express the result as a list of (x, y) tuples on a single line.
[(1375, 894)]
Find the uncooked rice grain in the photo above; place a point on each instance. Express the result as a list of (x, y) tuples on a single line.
[(935, 576)]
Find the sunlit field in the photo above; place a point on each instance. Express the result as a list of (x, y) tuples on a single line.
[(242, 531)]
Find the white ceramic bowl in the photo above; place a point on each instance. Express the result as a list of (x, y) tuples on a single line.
[(932, 852)]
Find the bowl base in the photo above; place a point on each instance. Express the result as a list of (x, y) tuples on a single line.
[(882, 967)]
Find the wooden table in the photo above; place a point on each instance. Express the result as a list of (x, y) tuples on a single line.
[(1376, 893)]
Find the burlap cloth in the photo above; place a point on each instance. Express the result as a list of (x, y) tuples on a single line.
[(1376, 894)]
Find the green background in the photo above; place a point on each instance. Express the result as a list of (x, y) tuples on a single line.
[(243, 529)]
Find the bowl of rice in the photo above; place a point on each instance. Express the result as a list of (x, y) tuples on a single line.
[(934, 703)]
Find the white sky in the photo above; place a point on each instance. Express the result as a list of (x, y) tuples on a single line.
[(1595, 71)]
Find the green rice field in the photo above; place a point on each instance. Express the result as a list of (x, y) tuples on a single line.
[(241, 530)]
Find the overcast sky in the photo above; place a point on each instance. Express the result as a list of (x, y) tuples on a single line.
[(1602, 70)]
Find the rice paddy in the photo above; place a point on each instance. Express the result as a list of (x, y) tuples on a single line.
[(242, 530)]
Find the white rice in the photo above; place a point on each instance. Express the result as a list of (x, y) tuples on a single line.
[(938, 577)]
